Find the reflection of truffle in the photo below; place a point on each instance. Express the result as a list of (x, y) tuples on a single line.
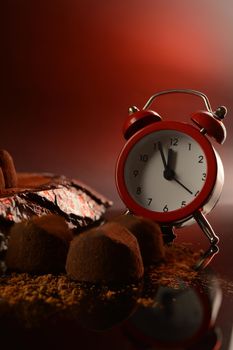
[(39, 245), (148, 234), (108, 254)]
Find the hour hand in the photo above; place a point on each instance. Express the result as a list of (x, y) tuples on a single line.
[(169, 173), (170, 158)]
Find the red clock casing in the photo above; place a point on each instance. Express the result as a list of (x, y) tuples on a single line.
[(205, 200)]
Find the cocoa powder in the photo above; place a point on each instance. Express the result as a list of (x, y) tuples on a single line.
[(179, 265), (57, 290), (61, 291)]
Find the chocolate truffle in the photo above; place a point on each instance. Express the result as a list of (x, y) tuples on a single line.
[(107, 254), (148, 235), (8, 169), (2, 180), (39, 245)]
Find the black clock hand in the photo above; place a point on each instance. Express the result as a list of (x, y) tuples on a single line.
[(160, 147), (168, 171), (175, 179), (169, 158)]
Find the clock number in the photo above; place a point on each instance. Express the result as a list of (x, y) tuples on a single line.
[(165, 208), (183, 204), (203, 176), (135, 173), (174, 141), (138, 190), (143, 157), (196, 193), (149, 201), (200, 159), (190, 145)]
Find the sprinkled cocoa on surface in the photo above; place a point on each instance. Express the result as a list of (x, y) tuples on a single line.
[(176, 270), (61, 291), (32, 302), (179, 264)]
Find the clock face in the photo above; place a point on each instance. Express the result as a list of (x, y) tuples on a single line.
[(165, 170)]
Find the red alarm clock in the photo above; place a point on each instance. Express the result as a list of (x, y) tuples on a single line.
[(169, 171)]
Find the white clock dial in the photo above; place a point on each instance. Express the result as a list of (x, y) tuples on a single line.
[(156, 189)]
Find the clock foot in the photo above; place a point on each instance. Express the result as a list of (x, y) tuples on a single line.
[(168, 234), (206, 258), (206, 227)]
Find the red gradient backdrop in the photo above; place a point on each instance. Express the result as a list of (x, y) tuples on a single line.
[(70, 69)]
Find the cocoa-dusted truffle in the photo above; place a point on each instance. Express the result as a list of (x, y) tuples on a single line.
[(148, 235), (39, 245), (7, 170), (107, 254)]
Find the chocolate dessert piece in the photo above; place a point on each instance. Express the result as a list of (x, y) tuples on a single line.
[(148, 235), (42, 194), (2, 180), (39, 245), (107, 254), (8, 170)]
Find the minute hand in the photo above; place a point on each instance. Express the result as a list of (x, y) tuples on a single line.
[(175, 179), (160, 147)]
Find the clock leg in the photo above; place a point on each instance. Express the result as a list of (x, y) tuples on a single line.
[(206, 227), (213, 238), (168, 234)]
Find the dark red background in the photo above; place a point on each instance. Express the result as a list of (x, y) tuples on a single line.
[(70, 69)]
